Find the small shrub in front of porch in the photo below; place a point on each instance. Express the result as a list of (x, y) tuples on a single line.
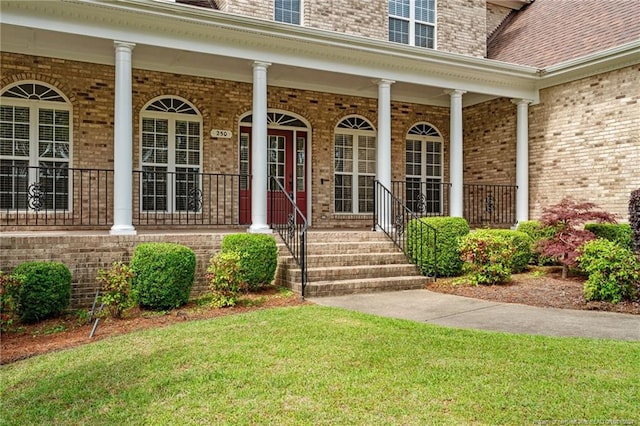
[(537, 233), (521, 243), (619, 233), (45, 290), (115, 288), (488, 257), (614, 271), (258, 257), (442, 259), (163, 274), (9, 285), (225, 279)]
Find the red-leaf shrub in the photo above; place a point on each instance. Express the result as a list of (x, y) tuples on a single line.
[(568, 218), (634, 218)]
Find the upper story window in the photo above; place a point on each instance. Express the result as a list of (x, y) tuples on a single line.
[(412, 22), (287, 11), (35, 148)]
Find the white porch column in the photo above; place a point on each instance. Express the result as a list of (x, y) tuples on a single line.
[(456, 154), (383, 151), (123, 143), (259, 150), (522, 160)]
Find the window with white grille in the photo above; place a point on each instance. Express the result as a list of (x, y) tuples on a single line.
[(287, 11), (412, 22), (423, 167)]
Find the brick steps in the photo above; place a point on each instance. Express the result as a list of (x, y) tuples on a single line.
[(349, 262)]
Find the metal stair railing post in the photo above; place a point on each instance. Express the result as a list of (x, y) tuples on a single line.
[(400, 217), (291, 224)]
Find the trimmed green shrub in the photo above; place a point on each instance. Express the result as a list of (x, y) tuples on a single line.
[(258, 257), (488, 257), (634, 218), (9, 285), (447, 261), (618, 233), (225, 279), (163, 274), (537, 232), (115, 288), (614, 271), (45, 291), (521, 243)]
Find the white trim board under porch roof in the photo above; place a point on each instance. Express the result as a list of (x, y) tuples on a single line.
[(181, 39)]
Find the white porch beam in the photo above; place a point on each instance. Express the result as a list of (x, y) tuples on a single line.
[(456, 154), (522, 159), (259, 150), (123, 143)]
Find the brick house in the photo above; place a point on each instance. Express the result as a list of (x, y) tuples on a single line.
[(160, 114)]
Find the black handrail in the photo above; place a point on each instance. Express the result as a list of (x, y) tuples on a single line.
[(397, 221), (291, 224)]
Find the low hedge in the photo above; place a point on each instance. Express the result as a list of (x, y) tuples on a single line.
[(443, 259), (537, 232), (163, 275), (618, 233), (45, 290), (258, 257), (522, 244)]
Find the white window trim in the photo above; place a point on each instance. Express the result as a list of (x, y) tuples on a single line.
[(355, 190), (34, 106), (171, 117), (423, 166), (412, 24)]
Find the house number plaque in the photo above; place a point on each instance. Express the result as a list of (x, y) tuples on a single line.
[(219, 133)]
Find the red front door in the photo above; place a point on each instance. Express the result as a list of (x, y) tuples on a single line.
[(286, 161)]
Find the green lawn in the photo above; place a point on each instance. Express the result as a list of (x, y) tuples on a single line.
[(317, 365)]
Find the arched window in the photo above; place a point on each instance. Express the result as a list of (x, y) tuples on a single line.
[(35, 148), (424, 169), (354, 165), (170, 156)]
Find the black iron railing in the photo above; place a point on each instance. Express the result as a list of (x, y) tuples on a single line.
[(55, 196), (488, 205), (414, 237), (291, 224), (188, 198), (77, 197), (423, 198), (484, 204)]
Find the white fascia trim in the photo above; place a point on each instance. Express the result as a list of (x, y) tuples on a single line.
[(586, 66)]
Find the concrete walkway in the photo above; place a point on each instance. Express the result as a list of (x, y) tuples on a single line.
[(463, 312)]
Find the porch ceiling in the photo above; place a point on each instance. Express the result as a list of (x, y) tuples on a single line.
[(211, 44)]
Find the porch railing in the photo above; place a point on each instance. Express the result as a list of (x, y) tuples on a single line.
[(484, 204), (77, 197), (55, 196), (415, 238), (291, 224)]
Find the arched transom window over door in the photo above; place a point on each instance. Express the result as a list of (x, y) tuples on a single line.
[(424, 190), (354, 165), (171, 156), (35, 148)]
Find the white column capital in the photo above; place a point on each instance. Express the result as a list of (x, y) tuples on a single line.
[(521, 101), (260, 65), (124, 45), (455, 92), (383, 82)]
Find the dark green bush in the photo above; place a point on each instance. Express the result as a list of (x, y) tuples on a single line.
[(448, 232), (634, 218), (258, 257), (520, 241), (537, 232), (618, 233), (163, 275), (488, 256), (45, 291), (614, 271)]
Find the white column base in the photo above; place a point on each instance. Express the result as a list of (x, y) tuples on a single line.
[(122, 230), (259, 229)]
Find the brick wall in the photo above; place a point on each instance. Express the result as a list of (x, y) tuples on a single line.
[(461, 27), (86, 254), (363, 18), (584, 142)]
